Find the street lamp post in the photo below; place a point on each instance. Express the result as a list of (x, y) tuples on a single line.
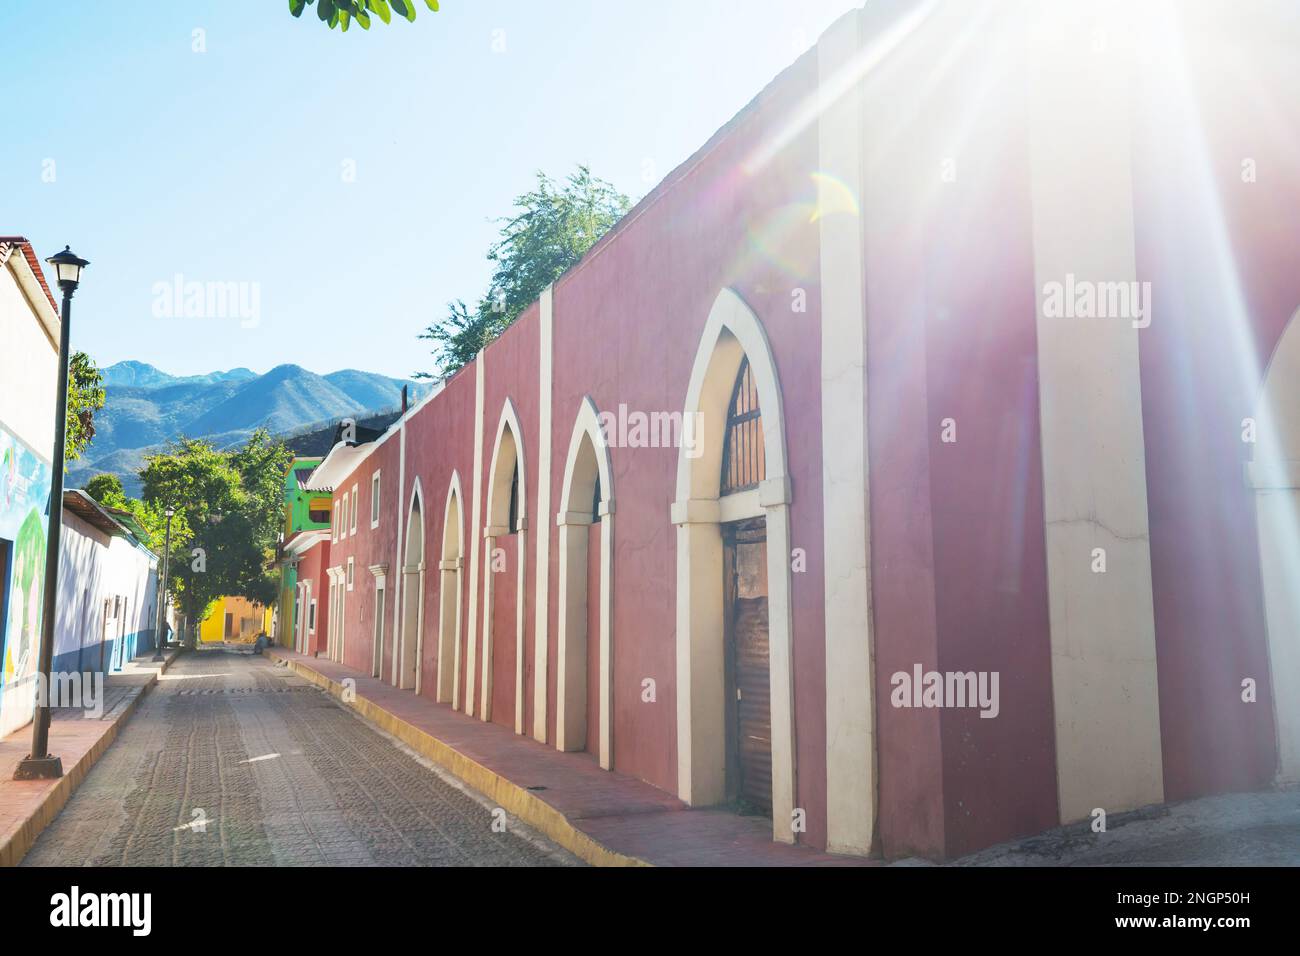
[(161, 629), (39, 764)]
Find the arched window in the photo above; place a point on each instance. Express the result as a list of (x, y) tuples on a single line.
[(742, 453)]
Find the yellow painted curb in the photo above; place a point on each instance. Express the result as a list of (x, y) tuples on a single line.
[(511, 797), (15, 848)]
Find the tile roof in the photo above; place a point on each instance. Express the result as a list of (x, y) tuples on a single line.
[(92, 512), (30, 255)]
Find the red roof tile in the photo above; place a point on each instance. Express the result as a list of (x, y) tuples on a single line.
[(35, 264)]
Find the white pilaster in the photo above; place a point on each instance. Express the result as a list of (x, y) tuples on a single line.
[(1104, 688), (544, 438), (480, 370), (850, 715)]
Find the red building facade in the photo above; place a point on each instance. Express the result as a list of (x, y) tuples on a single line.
[(811, 424)]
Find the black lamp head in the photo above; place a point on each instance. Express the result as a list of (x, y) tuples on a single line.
[(67, 267)]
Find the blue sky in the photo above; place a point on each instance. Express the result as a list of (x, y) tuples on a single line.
[(231, 165)]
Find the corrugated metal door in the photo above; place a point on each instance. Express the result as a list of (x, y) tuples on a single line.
[(749, 667)]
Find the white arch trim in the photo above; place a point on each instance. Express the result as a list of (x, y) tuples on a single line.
[(495, 527), (509, 419), (731, 329), (588, 423), (412, 575), (731, 315), (573, 641), (449, 576)]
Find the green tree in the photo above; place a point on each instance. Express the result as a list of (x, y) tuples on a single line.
[(106, 489), (341, 13), (85, 397), (553, 227), (151, 516), (462, 335), (196, 480), (261, 463), (228, 506)]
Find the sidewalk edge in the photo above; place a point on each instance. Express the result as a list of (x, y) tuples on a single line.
[(511, 797), (15, 848)]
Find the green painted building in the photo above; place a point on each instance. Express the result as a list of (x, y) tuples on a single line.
[(303, 511)]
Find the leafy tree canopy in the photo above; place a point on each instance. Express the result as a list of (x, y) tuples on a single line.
[(151, 516), (85, 397), (553, 227), (341, 13), (106, 489), (228, 507)]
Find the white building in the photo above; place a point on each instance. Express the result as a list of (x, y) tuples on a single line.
[(29, 359), (108, 583)]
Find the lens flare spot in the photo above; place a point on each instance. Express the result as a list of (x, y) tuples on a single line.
[(833, 196), (786, 237)]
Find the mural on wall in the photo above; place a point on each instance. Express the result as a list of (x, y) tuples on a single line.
[(24, 494)]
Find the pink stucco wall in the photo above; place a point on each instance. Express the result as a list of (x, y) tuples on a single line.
[(958, 556)]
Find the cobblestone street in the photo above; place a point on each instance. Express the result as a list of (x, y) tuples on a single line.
[(231, 761)]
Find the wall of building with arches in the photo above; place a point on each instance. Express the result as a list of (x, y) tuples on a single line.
[(929, 464)]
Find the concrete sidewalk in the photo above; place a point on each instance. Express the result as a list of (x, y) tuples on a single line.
[(603, 817), (28, 806)]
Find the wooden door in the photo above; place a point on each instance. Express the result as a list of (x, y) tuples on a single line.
[(748, 665)]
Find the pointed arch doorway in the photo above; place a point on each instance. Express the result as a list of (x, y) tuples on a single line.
[(746, 633), (584, 682), (408, 648), (732, 513), (450, 570), (502, 687)]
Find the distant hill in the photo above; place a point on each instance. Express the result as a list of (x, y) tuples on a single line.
[(315, 441), (144, 375), (373, 391), (145, 408), (284, 398)]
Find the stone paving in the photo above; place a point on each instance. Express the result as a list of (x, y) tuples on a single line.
[(232, 761), (1234, 829)]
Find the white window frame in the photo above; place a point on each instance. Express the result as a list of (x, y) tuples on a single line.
[(343, 518), (374, 499), (351, 579), (334, 522), (356, 495), (311, 616)]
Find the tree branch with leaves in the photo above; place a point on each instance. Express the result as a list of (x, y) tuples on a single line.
[(341, 13), (85, 397), (553, 227)]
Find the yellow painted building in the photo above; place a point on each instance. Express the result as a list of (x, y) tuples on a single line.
[(235, 620)]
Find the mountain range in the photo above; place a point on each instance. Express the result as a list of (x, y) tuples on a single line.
[(145, 408)]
